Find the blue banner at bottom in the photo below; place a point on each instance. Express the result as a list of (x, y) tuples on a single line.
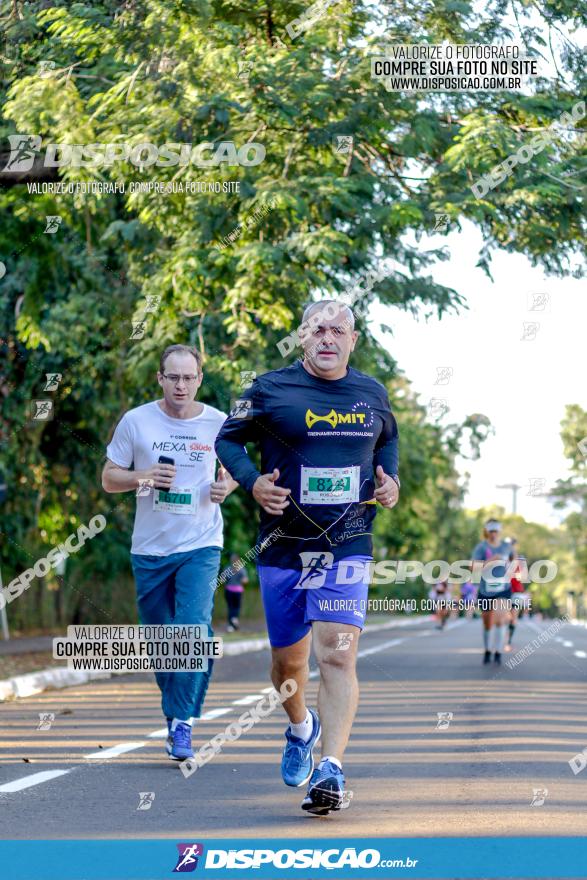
[(457, 858)]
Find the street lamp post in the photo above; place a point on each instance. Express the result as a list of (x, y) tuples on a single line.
[(514, 487)]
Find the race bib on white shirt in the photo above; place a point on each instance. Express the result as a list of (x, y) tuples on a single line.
[(177, 501), (182, 518), (329, 485), (498, 586)]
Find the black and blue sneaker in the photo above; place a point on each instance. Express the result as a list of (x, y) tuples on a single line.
[(297, 762), (181, 742), (169, 740), (325, 791)]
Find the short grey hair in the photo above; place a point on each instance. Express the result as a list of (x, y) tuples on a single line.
[(331, 307), (181, 349)]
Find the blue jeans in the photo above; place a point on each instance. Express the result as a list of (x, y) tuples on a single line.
[(178, 588)]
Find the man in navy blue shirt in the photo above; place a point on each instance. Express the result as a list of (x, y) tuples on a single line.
[(329, 455)]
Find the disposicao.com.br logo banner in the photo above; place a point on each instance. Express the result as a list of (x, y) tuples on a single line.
[(467, 858)]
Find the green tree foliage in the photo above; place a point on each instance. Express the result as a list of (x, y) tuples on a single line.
[(161, 71), (572, 492)]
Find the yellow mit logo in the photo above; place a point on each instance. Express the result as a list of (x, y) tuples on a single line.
[(333, 418)]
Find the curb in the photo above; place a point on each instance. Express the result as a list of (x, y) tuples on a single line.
[(61, 677), (34, 683), (37, 682)]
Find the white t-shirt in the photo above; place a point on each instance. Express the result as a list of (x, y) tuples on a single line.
[(183, 518)]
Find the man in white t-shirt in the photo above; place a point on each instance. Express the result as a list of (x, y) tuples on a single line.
[(177, 535)]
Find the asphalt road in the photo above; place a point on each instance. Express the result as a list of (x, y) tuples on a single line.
[(513, 730)]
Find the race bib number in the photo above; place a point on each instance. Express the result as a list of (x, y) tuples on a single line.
[(495, 586), (182, 501), (330, 485), (492, 583)]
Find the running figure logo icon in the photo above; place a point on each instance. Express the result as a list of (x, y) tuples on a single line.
[(46, 719), (344, 641), (242, 409), (346, 799), (343, 143), (41, 410), (53, 380), (443, 375), (53, 222), (315, 565), (24, 148), (444, 719), (536, 486), (187, 859), (540, 795), (152, 303), (529, 331), (438, 407), (539, 302), (441, 222), (146, 799), (138, 329)]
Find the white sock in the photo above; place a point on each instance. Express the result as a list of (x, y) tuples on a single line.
[(499, 632), (303, 730), (177, 721), (332, 760)]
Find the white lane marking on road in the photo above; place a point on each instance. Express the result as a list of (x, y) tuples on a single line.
[(392, 624), (34, 779), (580, 654), (115, 751), (246, 701), (382, 647), (214, 713), (158, 734), (567, 644)]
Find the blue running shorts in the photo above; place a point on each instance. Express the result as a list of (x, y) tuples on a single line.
[(293, 599)]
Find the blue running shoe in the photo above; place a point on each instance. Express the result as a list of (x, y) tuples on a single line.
[(169, 740), (182, 742), (297, 762), (325, 791)]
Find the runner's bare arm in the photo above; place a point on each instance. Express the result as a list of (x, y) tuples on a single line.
[(119, 479)]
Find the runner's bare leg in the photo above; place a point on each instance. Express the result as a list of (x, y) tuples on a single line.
[(293, 662), (339, 688)]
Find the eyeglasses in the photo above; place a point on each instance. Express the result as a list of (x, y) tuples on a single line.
[(175, 378)]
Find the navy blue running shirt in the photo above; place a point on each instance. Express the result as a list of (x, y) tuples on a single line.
[(326, 437)]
